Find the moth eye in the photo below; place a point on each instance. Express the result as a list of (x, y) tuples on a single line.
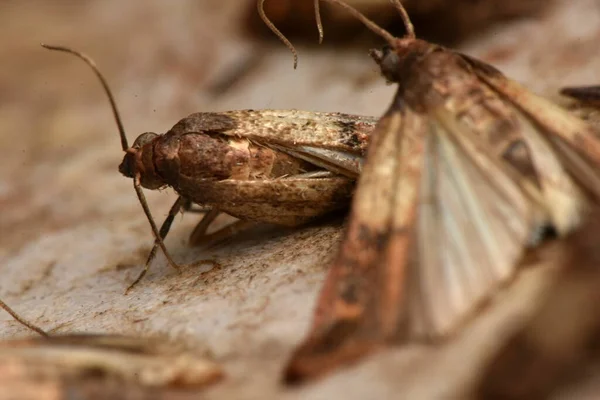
[(389, 62), (143, 139)]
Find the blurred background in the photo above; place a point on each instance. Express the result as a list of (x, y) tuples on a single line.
[(72, 234)]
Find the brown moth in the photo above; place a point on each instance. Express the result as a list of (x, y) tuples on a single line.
[(557, 345), (100, 367), (465, 171), (277, 166)]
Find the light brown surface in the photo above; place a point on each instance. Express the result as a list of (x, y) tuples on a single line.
[(72, 235)]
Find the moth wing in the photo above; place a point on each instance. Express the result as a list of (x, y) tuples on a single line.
[(437, 223), (476, 216), (359, 305), (574, 141), (333, 141), (337, 161), (300, 198)]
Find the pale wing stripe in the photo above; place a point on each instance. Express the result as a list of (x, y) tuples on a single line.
[(490, 234), (453, 261), (463, 238), (564, 200), (441, 278), (478, 213), (457, 262), (459, 300), (468, 283), (463, 231), (430, 277), (501, 221), (468, 231)]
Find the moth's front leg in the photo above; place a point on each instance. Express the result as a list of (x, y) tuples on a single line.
[(164, 230)]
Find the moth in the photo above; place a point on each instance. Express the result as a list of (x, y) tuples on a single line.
[(556, 346), (284, 167), (100, 367), (465, 171)]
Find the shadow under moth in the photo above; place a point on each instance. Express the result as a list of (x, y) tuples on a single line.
[(464, 172)]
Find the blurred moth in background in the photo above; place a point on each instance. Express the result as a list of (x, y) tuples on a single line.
[(100, 367), (284, 167), (465, 171)]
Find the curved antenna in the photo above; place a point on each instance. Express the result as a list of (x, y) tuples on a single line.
[(367, 22), (410, 29), (137, 178), (113, 104), (318, 20), (260, 5)]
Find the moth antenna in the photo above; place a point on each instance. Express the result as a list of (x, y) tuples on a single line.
[(107, 90), (22, 321), (370, 24), (410, 29), (260, 5), (318, 20)]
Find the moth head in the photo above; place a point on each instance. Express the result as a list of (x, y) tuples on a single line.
[(138, 159), (389, 62)]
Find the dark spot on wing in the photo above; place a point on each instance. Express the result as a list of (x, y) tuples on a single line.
[(371, 238), (349, 291)]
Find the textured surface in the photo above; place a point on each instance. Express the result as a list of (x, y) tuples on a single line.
[(73, 235)]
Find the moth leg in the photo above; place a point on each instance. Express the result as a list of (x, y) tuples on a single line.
[(164, 230), (200, 230), (199, 235), (21, 320)]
